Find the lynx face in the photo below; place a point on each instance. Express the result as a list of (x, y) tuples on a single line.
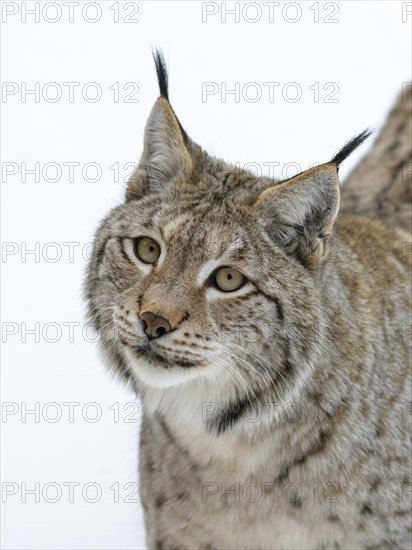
[(204, 324), (206, 274)]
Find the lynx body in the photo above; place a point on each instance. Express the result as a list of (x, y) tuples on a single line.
[(267, 336)]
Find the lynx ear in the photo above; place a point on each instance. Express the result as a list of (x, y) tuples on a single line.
[(299, 214), (165, 157)]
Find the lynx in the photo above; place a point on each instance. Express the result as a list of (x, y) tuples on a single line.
[(267, 332)]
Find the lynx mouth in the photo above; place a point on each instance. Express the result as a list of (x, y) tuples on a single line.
[(155, 358), (154, 369)]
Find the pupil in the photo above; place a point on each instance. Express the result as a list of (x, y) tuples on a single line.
[(230, 276), (151, 248)]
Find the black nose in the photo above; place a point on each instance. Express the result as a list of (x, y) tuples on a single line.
[(154, 325)]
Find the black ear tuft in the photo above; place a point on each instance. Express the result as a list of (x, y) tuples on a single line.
[(350, 146), (161, 70)]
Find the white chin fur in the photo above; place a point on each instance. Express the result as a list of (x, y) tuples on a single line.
[(157, 376)]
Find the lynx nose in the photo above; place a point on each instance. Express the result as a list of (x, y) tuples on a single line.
[(154, 325)]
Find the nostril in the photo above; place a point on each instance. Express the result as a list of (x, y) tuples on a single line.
[(160, 326), (160, 331), (147, 319)]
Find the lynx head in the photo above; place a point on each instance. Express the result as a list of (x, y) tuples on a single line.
[(206, 279)]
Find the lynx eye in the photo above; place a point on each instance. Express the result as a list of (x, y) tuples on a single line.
[(228, 279), (147, 250)]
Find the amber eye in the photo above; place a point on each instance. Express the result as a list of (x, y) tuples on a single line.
[(228, 279), (147, 250)]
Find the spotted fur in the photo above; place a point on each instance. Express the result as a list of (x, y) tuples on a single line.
[(278, 415), (380, 187)]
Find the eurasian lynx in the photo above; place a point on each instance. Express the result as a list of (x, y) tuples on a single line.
[(268, 338)]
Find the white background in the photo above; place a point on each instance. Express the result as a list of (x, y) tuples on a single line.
[(366, 54)]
